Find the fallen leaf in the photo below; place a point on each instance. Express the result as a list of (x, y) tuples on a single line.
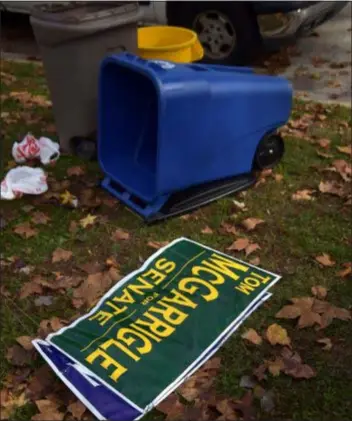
[(308, 318), (303, 195), (114, 274), (324, 155), (319, 291), (228, 228), (277, 335), (278, 177), (18, 356), (92, 288), (120, 235), (171, 407), (252, 248), (326, 342), (11, 404), (267, 401), (25, 342), (30, 288), (331, 187), (88, 220), (347, 271), (60, 255), (325, 260), (43, 300), (294, 366), (244, 406), (239, 205), (157, 244), (275, 367), (25, 230), (252, 336), (255, 261), (343, 168), (226, 408), (77, 170), (77, 409), (289, 312), (69, 199), (207, 230), (91, 267), (40, 218), (41, 383), (259, 372), (324, 143), (89, 199), (345, 149), (251, 223), (239, 244)]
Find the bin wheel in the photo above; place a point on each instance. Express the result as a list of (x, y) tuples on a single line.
[(269, 152), (84, 147), (228, 31)]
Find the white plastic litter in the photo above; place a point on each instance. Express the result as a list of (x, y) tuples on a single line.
[(23, 180), (31, 148)]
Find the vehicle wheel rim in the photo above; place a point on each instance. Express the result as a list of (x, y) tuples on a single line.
[(216, 33), (270, 152)]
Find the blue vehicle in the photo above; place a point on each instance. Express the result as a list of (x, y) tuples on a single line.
[(172, 137)]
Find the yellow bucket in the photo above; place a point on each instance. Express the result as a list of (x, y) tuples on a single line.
[(169, 43)]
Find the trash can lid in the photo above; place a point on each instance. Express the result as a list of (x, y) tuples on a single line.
[(75, 12)]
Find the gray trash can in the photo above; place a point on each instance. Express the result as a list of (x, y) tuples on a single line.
[(73, 38)]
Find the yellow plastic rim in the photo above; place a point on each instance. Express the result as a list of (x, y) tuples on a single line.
[(165, 30)]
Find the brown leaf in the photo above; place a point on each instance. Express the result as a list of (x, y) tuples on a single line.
[(239, 244), (61, 255), (325, 260), (252, 248), (244, 406), (319, 291), (73, 227), (41, 383), (114, 274), (331, 187), (278, 177), (92, 288), (77, 170), (157, 244), (275, 367), (326, 342), (308, 318), (345, 149), (252, 336), (91, 267), (111, 262), (120, 235), (294, 366), (277, 335), (30, 288), (18, 356), (347, 271), (45, 416), (89, 199), (340, 313), (303, 195), (40, 218), (228, 228), (226, 408), (259, 372), (251, 223), (207, 230), (324, 143), (25, 342), (25, 230), (289, 312), (77, 409), (171, 407), (343, 168)]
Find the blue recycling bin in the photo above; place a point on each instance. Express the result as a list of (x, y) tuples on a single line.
[(171, 133)]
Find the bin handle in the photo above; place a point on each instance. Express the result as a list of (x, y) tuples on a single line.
[(197, 51)]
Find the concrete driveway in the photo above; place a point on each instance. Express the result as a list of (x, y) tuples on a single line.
[(322, 70)]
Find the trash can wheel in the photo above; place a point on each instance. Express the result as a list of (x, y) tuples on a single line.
[(269, 151), (84, 147)]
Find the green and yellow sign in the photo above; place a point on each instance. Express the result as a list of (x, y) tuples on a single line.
[(161, 322)]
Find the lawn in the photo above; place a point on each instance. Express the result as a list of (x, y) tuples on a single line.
[(305, 204)]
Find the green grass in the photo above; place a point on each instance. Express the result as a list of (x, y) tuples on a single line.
[(293, 234)]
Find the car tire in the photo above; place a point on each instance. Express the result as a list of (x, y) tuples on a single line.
[(228, 31)]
